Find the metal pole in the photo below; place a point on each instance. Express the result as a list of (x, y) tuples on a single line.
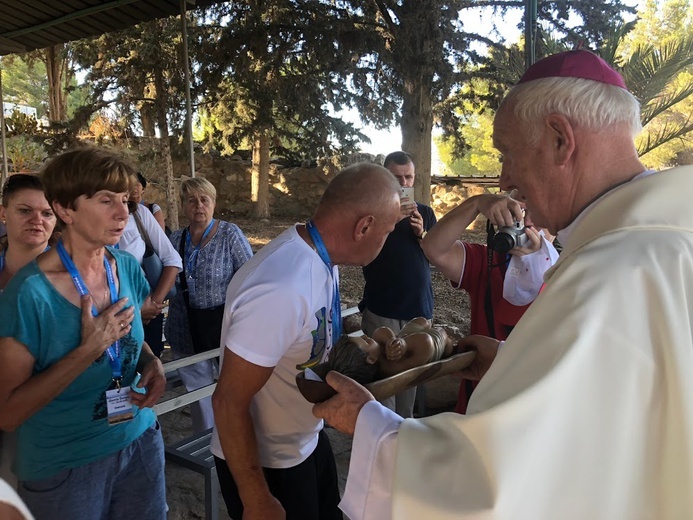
[(530, 32), (188, 103), (3, 176)]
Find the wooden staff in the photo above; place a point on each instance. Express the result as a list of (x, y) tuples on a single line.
[(393, 385)]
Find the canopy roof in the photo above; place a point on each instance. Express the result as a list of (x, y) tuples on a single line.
[(26, 25)]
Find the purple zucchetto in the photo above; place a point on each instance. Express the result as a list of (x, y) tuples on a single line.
[(574, 64)]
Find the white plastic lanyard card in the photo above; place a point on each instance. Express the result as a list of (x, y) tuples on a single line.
[(119, 405)]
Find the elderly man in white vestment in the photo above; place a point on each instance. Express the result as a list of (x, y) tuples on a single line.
[(586, 411)]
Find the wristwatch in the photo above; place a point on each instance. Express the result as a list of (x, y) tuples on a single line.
[(422, 235)]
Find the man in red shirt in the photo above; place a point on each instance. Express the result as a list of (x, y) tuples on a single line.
[(501, 292)]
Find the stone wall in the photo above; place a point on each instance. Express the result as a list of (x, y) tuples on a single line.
[(445, 197), (294, 191)]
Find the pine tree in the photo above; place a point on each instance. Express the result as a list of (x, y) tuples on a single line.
[(271, 74), (141, 66), (415, 53)]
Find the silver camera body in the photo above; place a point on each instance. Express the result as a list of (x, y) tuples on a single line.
[(509, 237)]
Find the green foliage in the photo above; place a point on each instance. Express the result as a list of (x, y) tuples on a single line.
[(25, 83), (122, 68), (660, 66), (274, 67), (407, 42), (479, 157), (19, 123), (24, 153), (655, 56)]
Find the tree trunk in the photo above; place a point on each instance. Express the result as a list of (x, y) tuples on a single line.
[(147, 115), (417, 125), (259, 186), (161, 108), (57, 68)]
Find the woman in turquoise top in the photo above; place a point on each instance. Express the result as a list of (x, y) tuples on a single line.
[(71, 347), (29, 221)]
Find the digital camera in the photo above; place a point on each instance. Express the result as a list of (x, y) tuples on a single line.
[(509, 237)]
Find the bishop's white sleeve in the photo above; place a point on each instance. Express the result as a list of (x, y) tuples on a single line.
[(368, 493)]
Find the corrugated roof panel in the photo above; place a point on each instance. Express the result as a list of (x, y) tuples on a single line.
[(35, 24)]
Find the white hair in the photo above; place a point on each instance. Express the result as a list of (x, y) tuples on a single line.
[(586, 103)]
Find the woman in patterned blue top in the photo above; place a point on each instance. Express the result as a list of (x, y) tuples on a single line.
[(71, 349), (214, 251)]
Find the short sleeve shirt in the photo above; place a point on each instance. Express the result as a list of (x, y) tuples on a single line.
[(71, 430)]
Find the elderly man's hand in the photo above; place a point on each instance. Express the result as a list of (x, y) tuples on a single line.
[(532, 246), (501, 210), (342, 410), (486, 349)]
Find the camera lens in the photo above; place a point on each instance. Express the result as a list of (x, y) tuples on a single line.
[(502, 243)]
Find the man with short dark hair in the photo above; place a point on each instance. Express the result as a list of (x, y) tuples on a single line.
[(282, 314), (586, 411), (398, 282)]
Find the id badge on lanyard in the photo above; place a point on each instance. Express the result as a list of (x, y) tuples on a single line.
[(119, 405)]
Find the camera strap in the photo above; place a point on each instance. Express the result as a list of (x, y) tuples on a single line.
[(488, 301), (488, 304)]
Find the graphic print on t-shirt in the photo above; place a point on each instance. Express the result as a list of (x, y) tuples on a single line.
[(318, 351)]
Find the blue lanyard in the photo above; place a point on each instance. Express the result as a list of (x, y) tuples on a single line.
[(113, 351), (191, 259), (336, 310)]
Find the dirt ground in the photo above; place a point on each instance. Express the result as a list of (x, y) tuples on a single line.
[(185, 489)]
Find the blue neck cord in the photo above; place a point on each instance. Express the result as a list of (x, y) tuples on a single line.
[(336, 310)]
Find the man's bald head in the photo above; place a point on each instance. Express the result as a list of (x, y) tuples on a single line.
[(359, 189), (359, 208)]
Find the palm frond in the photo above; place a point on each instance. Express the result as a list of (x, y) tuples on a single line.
[(609, 47), (649, 70), (669, 131), (664, 102)]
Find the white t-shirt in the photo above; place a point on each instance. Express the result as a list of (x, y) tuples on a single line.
[(132, 242), (9, 496), (278, 315)]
